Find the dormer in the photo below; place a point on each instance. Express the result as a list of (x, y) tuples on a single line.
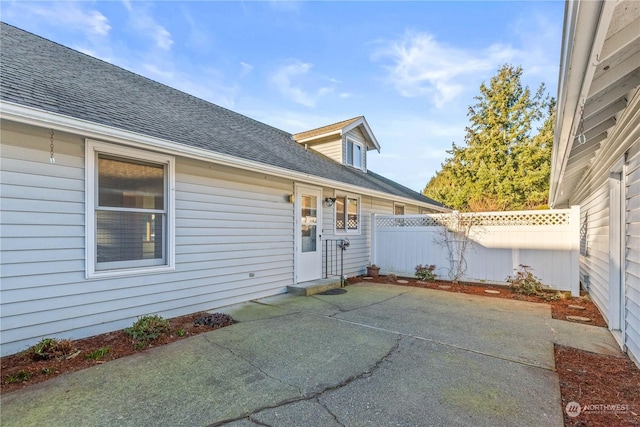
[(346, 142)]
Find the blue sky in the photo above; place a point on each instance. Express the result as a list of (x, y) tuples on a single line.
[(411, 68)]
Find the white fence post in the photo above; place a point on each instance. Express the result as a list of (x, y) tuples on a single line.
[(374, 233)]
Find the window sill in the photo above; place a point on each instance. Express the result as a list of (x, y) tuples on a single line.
[(129, 272)]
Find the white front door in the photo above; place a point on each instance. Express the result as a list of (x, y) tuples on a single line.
[(308, 228)]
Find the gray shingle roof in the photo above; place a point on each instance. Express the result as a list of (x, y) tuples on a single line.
[(39, 73)]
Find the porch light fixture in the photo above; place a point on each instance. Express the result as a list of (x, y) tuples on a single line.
[(329, 201)]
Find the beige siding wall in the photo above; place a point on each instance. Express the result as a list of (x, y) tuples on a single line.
[(332, 149), (228, 224)]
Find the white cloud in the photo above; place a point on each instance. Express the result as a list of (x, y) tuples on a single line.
[(422, 66), (144, 23), (288, 80), (70, 15), (245, 69)]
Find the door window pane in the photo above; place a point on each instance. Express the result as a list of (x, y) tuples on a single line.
[(309, 221)]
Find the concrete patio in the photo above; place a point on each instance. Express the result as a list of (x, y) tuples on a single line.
[(377, 355)]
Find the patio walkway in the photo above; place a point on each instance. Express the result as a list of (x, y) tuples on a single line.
[(378, 355)]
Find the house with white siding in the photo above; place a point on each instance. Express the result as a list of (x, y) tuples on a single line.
[(596, 155), (122, 197)]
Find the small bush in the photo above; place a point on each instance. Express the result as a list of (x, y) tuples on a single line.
[(391, 277), (525, 282), (425, 272), (51, 348), (215, 320), (147, 328)]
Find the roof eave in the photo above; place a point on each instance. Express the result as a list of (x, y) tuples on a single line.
[(584, 31), (37, 117)]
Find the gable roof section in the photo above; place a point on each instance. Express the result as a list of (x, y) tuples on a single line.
[(45, 76), (339, 128)]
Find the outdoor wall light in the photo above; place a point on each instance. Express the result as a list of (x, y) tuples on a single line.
[(329, 201)]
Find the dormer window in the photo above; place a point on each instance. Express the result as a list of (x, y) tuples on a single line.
[(354, 154)]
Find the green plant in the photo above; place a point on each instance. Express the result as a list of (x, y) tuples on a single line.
[(215, 320), (525, 282), (180, 332), (46, 371), (425, 272), (98, 354), (51, 348), (147, 328), (21, 376)]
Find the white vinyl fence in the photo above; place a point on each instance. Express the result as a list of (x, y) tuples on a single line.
[(547, 241)]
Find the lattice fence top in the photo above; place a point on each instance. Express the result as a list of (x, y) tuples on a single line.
[(530, 218)]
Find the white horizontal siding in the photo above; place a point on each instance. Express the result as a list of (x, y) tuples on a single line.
[(358, 255), (595, 264), (632, 258), (228, 224)]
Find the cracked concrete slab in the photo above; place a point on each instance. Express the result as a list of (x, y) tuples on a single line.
[(377, 355), (308, 413), (424, 383), (509, 329)]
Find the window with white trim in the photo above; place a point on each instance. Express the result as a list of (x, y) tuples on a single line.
[(398, 209), (347, 209), (129, 210), (354, 154)]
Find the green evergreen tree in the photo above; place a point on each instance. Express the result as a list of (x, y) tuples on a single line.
[(501, 166)]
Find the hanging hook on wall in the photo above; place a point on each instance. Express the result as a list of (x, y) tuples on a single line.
[(580, 136), (52, 159)]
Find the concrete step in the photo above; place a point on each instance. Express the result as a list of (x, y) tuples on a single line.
[(314, 286)]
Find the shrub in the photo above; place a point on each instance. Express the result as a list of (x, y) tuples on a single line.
[(525, 282), (425, 272), (51, 348), (215, 320), (147, 328)]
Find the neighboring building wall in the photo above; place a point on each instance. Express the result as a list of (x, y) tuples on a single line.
[(594, 247), (632, 254), (229, 223), (606, 222)]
